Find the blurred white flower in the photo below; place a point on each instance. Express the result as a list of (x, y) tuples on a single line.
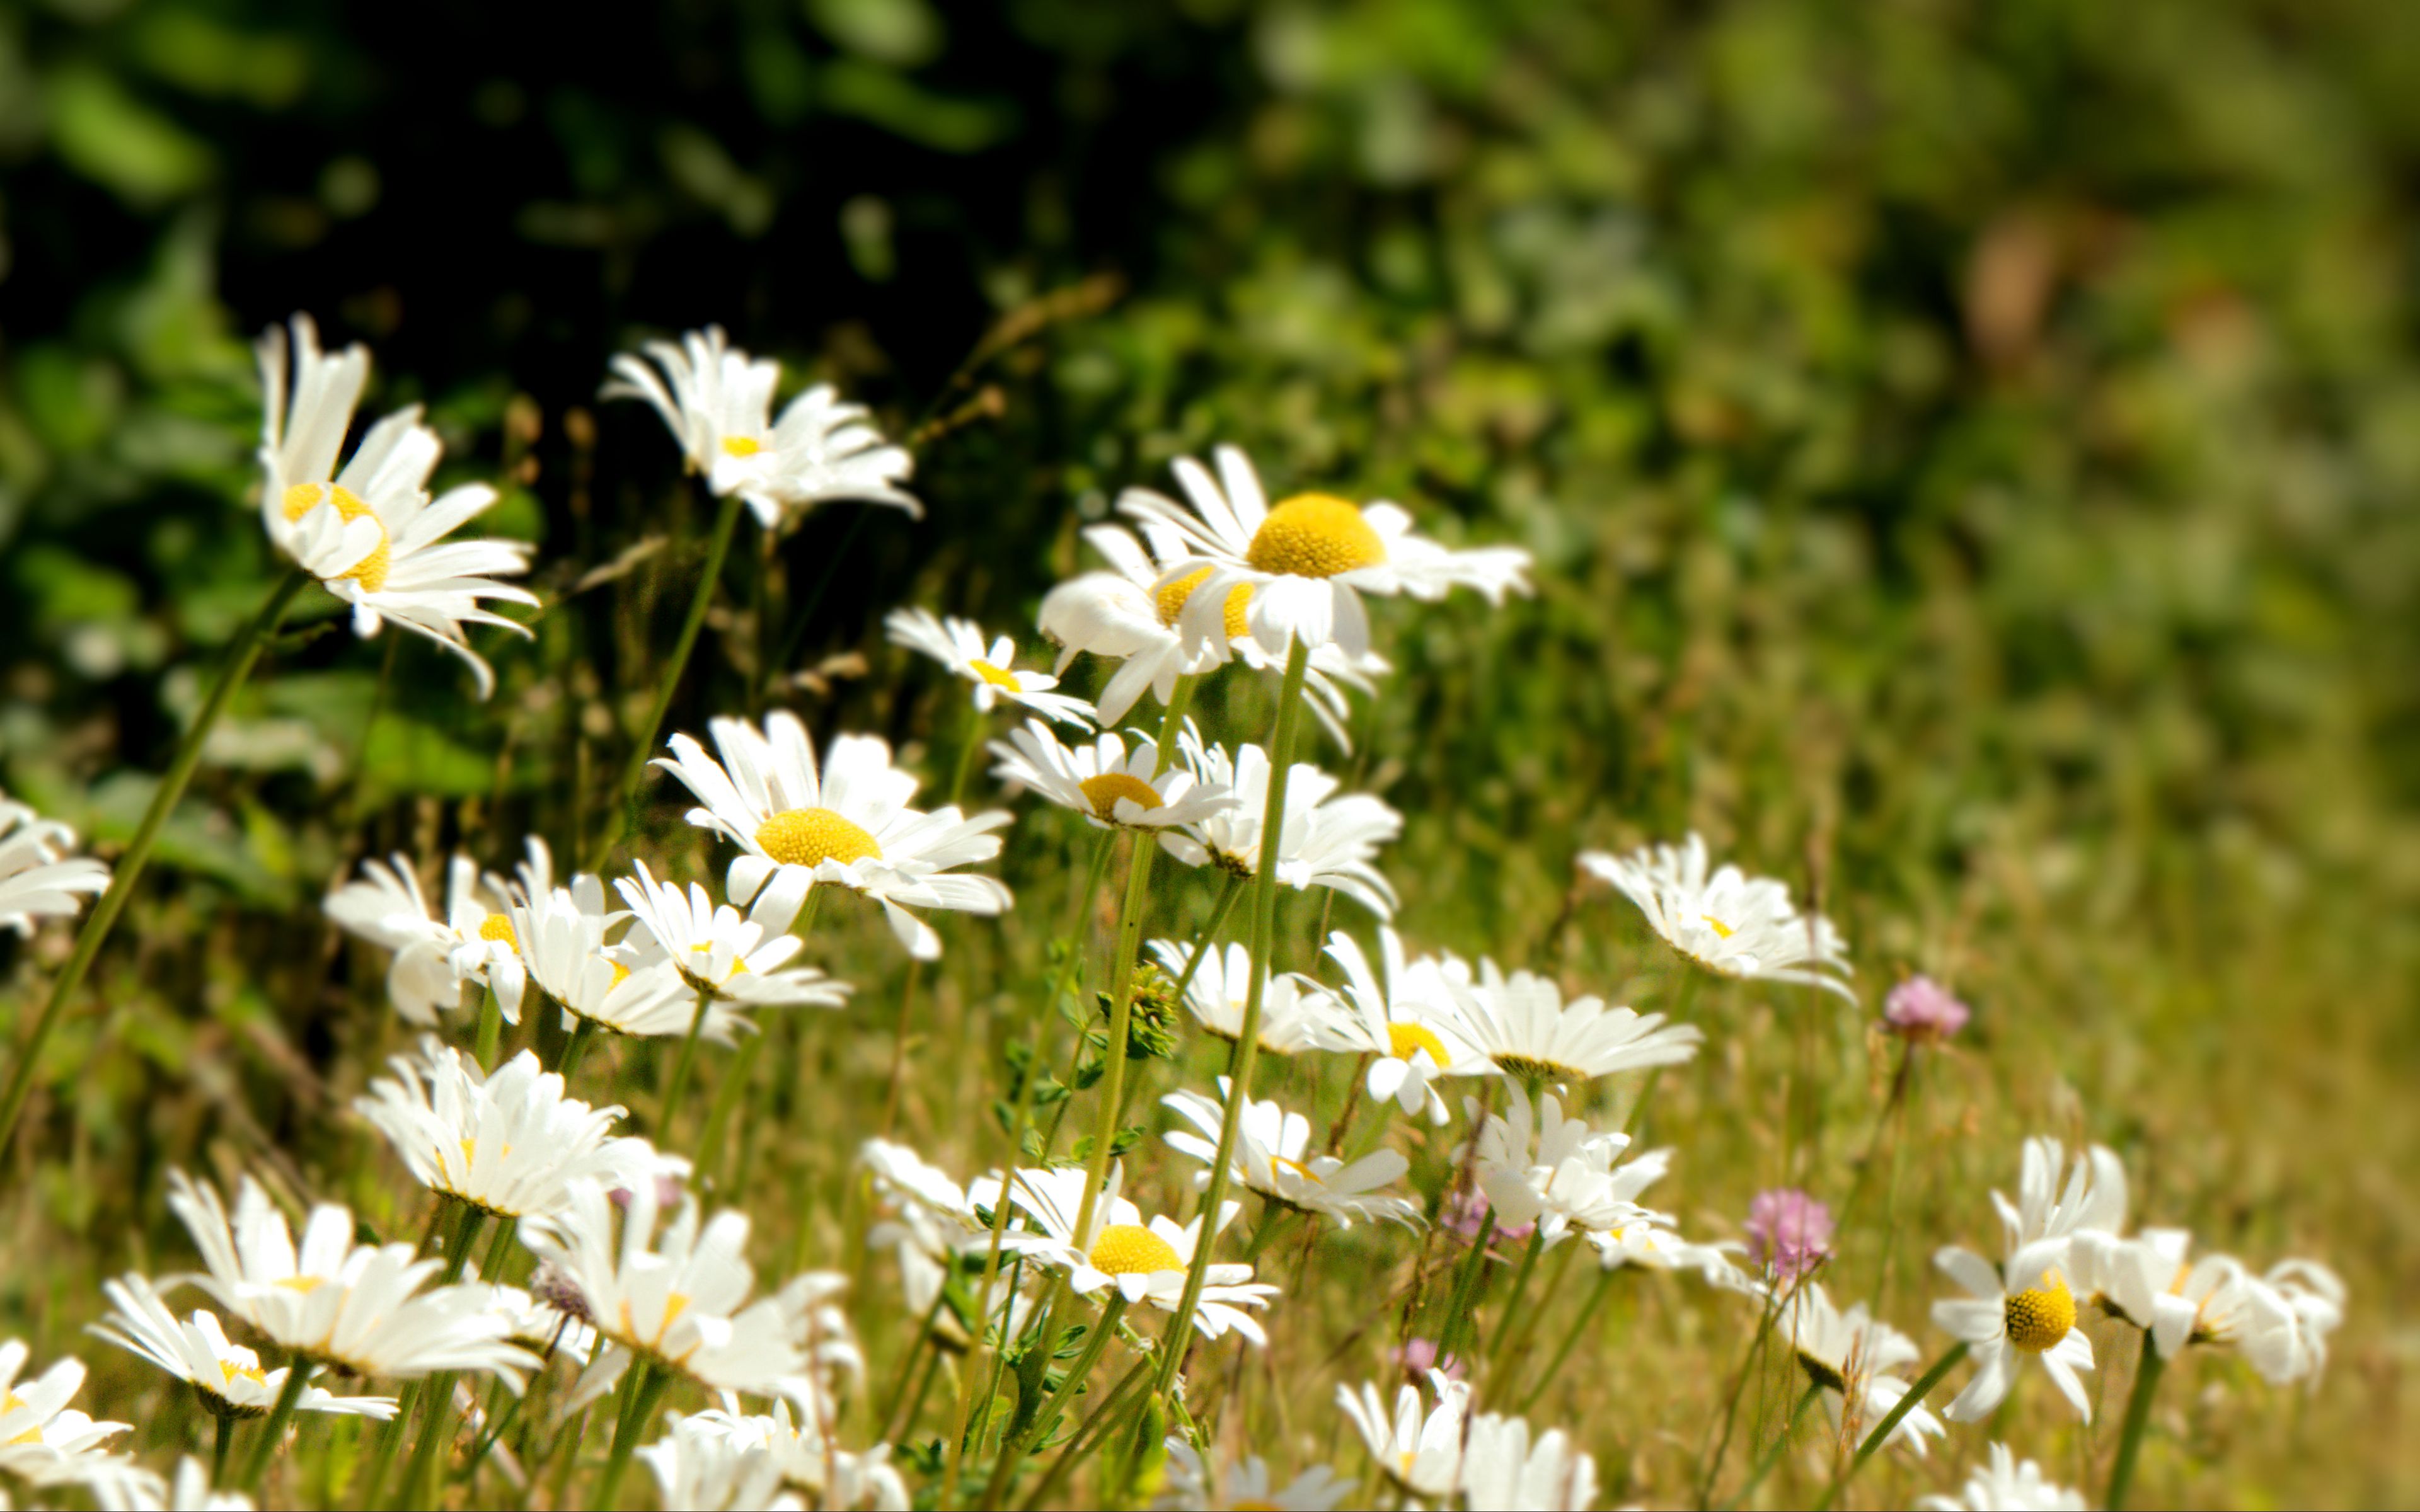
[(1731, 923), (1273, 1157), (2007, 1485), (144, 1492), (1290, 1008), (1238, 1485), (1557, 1172), (613, 983), (1853, 1357), (804, 1459), (370, 533), (959, 645), (698, 1468), (847, 823), (1111, 782), (39, 879), (225, 1375), (1325, 841), (1420, 1452), (1502, 1469), (475, 943), (719, 404), (746, 961), (44, 1442)]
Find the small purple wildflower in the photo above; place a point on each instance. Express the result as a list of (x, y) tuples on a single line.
[(1418, 1357), (1921, 1010), (1789, 1232), (669, 1186), (1466, 1215)]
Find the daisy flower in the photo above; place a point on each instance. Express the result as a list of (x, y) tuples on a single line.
[(358, 1307), (1325, 841), (1307, 561), (1403, 1021), (1651, 1243), (678, 1297), (701, 1468), (615, 985), (2007, 1484), (1502, 1469), (1127, 614), (1232, 1485), (1292, 1010), (1851, 1357), (371, 532), (743, 961), (475, 943), (804, 1459), (1521, 1025), (719, 404), (506, 1143), (2291, 1310), (1731, 923), (2026, 1306), (847, 823), (1144, 1262), (1559, 1173), (1111, 784), (959, 645), (39, 879), (43, 1441), (1273, 1157), (141, 1492), (225, 1375), (1420, 1453), (2146, 1280)]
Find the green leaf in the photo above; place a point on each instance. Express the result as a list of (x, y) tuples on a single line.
[(108, 136)]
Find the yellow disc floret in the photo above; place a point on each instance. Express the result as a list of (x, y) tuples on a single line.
[(808, 836), (1105, 790), (371, 572), (499, 927), (2040, 1317), (994, 675), (1404, 1040), (742, 446), (1314, 535), (1173, 594), (1131, 1249)]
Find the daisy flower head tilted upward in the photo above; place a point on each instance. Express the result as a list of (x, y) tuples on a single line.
[(38, 878), (1293, 1011), (1420, 1453), (1326, 839), (719, 404), (742, 960), (1731, 923), (227, 1378), (1523, 1027), (1402, 1021), (959, 645), (846, 823), (1143, 1262), (1112, 781), (1557, 1172), (2026, 1306), (613, 985), (1273, 1157), (1306, 560), (371, 532)]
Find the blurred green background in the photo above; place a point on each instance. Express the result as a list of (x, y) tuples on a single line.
[(1969, 449)]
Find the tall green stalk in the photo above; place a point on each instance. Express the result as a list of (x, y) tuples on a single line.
[(1248, 1040), (1909, 1403), (1013, 1453), (264, 1449), (2139, 1415), (682, 1066), (233, 669), (646, 1389)]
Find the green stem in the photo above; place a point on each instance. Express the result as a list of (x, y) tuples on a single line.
[(437, 1397), (1087, 1432), (1516, 1344), (491, 1028), (726, 1102), (1248, 1040), (298, 1373), (718, 546), (2138, 1415), (223, 1436), (233, 669), (491, 1269), (645, 1395), (1229, 890), (390, 1439), (682, 1065), (1013, 1454), (1772, 1453), (1722, 1447), (1571, 1337), (582, 1030), (1458, 1307), (1507, 1314), (1907, 1404)]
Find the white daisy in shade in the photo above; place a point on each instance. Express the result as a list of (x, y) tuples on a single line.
[(2147, 1281), (39, 879), (1292, 1010), (225, 1375), (475, 943), (1403, 1021), (1503, 1468), (959, 645), (719, 404), (2007, 1484), (2291, 1311), (358, 1307), (1419, 1451), (1129, 615), (1731, 923), (615, 985), (1559, 1173), (1273, 1156), (702, 1469), (1521, 1025), (847, 823), (507, 1142), (371, 532), (1236, 1485), (746, 961), (1112, 781), (2026, 1306), (1327, 841), (804, 1458), (1854, 1359), (1306, 561), (679, 1297), (1143, 1262), (141, 1490), (44, 1442), (1652, 1243)]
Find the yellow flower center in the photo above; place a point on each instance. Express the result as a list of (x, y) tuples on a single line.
[(1105, 790), (994, 675), (1131, 1249), (1314, 535), (1722, 930), (1531, 1069), (2040, 1317), (500, 927), (742, 446), (11, 1403), (1173, 593), (1277, 1163), (1402, 1039), (621, 975), (229, 1370), (304, 1284), (808, 836), (371, 572)]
